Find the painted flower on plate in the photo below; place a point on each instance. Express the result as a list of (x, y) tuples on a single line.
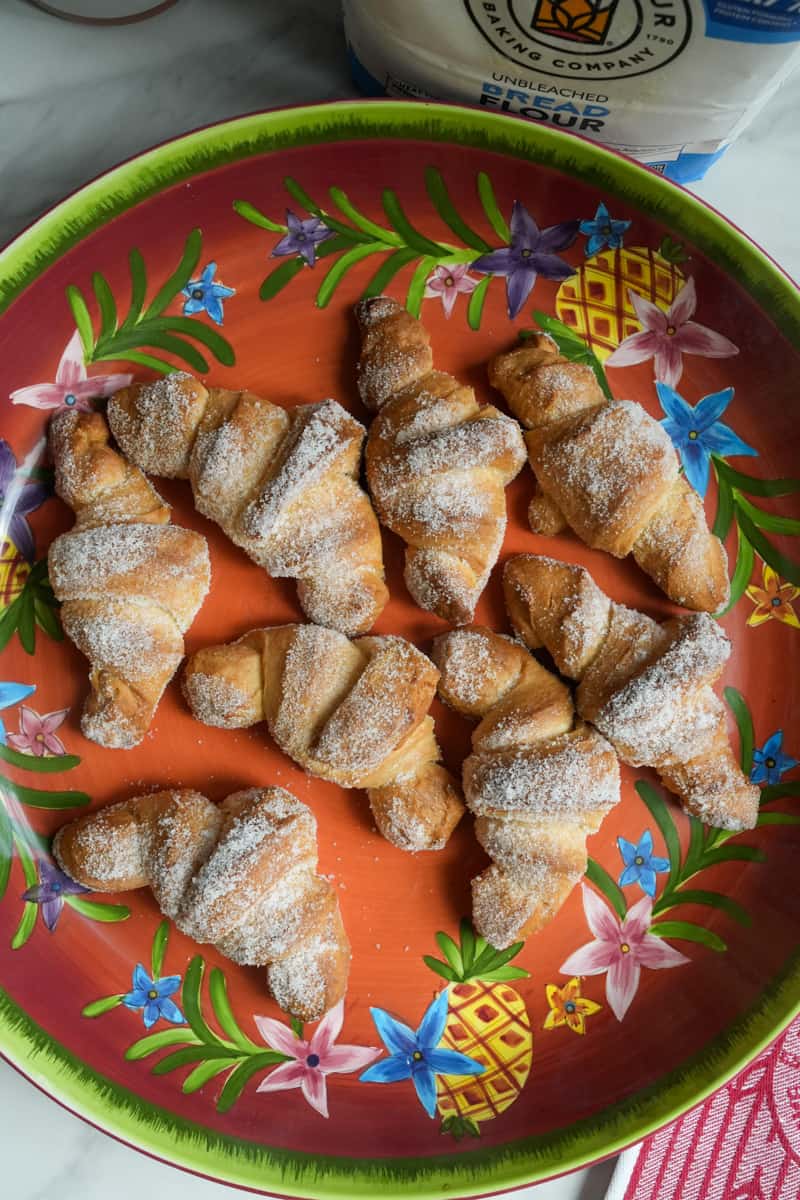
[(774, 600), (72, 387), (770, 764), (206, 295), (640, 864), (697, 432), (303, 238), (50, 891), (37, 734), (18, 499), (12, 693), (313, 1060), (620, 949), (153, 997), (603, 231), (416, 1055), (530, 254), (448, 283), (667, 336), (568, 1007)]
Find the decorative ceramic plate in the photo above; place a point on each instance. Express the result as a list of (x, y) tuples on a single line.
[(238, 253)]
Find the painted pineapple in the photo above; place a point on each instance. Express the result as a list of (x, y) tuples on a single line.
[(595, 303), (14, 570), (488, 1021)]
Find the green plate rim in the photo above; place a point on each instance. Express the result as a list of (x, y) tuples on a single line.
[(471, 1171)]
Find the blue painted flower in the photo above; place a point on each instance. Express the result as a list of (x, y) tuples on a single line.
[(641, 865), (153, 995), (303, 237), (770, 763), (697, 432), (12, 693), (204, 295), (415, 1056), (17, 501), (603, 231), (50, 891), (530, 254)]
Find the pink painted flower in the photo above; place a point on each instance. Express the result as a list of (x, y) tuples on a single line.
[(447, 282), (72, 388), (621, 949), (313, 1060), (37, 733), (667, 336)]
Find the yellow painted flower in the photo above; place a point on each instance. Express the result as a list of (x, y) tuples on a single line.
[(568, 1006), (774, 599)]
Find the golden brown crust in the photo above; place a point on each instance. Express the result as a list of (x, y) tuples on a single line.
[(130, 583), (352, 712), (282, 485), (538, 782), (437, 463), (646, 686), (241, 876), (612, 471)]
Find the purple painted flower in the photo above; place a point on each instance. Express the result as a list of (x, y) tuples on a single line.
[(153, 997), (72, 388), (303, 238), (531, 253), (204, 295), (17, 501), (50, 891)]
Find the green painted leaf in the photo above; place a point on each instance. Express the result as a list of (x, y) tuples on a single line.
[(46, 618), (303, 199), (770, 521), (6, 850), (30, 762), (98, 1007), (170, 344), (744, 723), (752, 486), (742, 573), (504, 974), (439, 967), (277, 280), (763, 546), (467, 939), (93, 910), (204, 1072), (297, 1026), (146, 360), (35, 798), (724, 517), (375, 232), (254, 215), (387, 271), (160, 1041), (8, 622), (687, 932), (778, 818), (218, 990), (773, 791), (187, 1056), (159, 949), (493, 214), (728, 853), (416, 288), (191, 1002), (608, 886), (661, 815), (26, 625), (694, 854), (82, 320), (476, 303), (138, 288), (437, 190), (238, 1079), (711, 899), (492, 959), (400, 222), (339, 269), (179, 277), (451, 952), (106, 304), (573, 347)]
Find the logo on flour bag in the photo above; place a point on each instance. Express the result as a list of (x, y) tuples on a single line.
[(585, 39)]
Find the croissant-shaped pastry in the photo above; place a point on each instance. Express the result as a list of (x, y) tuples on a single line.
[(537, 781), (609, 470), (241, 875), (130, 583), (645, 686), (354, 713), (437, 462), (283, 485)]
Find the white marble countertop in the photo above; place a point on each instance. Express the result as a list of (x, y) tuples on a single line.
[(76, 100)]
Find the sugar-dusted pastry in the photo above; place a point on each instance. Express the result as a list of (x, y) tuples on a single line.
[(282, 485), (538, 781), (130, 583), (241, 875), (437, 462), (645, 686), (609, 470), (355, 713)]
